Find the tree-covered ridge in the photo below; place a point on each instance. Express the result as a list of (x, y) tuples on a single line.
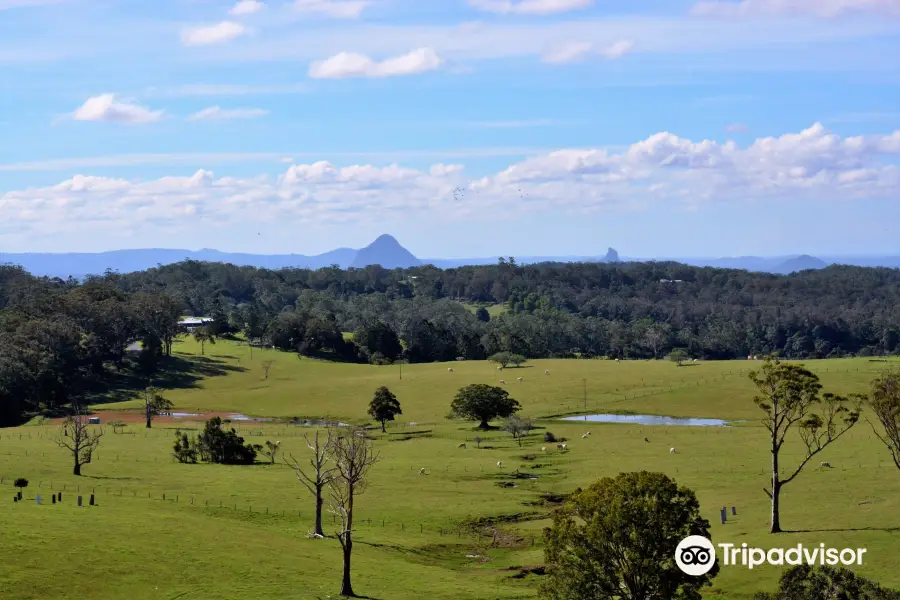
[(61, 340), (625, 310)]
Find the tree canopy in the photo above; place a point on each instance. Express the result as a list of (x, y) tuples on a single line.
[(384, 406), (616, 540), (482, 402)]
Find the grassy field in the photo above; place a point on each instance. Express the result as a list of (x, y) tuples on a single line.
[(240, 532)]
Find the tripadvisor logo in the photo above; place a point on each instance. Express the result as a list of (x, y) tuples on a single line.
[(696, 555)]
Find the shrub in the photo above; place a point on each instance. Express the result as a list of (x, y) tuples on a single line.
[(185, 450), (224, 447), (21, 482), (549, 437)]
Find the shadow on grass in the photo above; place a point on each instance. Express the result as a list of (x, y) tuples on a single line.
[(175, 372)]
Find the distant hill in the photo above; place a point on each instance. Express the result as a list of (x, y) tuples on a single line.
[(801, 263), (387, 252)]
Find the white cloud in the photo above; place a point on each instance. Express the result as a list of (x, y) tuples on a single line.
[(568, 53), (529, 7), (617, 49), (217, 113), (350, 64), (246, 7), (816, 8), (574, 51), (736, 128), (106, 107), (206, 35), (662, 169), (336, 9)]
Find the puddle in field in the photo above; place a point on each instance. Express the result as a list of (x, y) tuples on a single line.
[(649, 420)]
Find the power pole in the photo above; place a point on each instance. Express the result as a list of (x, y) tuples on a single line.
[(584, 383)]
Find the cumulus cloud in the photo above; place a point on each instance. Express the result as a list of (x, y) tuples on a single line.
[(350, 64), (575, 51), (246, 7), (207, 35), (816, 8), (217, 113), (336, 9), (662, 169), (106, 107), (529, 7)]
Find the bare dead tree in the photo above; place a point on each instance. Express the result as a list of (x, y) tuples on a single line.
[(354, 456), (884, 400), (318, 474), (75, 436), (266, 365)]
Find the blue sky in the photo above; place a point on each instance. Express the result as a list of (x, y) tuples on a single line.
[(462, 127)]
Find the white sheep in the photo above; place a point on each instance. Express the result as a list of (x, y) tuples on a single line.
[(449, 369), (589, 433), (463, 445), (565, 446), (543, 448), (546, 371), (671, 450), (521, 379), (499, 367), (499, 464), (502, 382), (825, 465), (559, 446), (584, 435), (422, 471), (617, 360)]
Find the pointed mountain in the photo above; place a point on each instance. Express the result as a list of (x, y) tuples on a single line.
[(611, 255), (387, 252)]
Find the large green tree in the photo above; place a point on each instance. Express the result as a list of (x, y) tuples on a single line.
[(804, 582), (378, 337), (384, 406), (790, 395), (616, 540), (482, 402)]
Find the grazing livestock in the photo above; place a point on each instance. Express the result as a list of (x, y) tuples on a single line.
[(449, 369), (499, 464), (521, 379), (502, 382), (546, 371), (500, 368), (543, 448), (565, 446), (617, 360), (583, 435), (826, 465), (463, 445), (559, 446), (422, 471), (646, 440), (671, 450)]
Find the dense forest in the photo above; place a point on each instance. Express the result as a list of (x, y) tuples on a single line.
[(59, 338)]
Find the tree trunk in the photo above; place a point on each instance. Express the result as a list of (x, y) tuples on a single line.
[(77, 469), (776, 493), (319, 502), (149, 417), (202, 348), (776, 508), (346, 588), (484, 425), (383, 430)]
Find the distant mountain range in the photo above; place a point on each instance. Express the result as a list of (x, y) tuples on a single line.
[(387, 252)]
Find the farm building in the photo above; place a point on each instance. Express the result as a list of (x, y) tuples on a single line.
[(192, 323)]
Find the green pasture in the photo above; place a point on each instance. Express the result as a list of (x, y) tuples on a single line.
[(241, 532)]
